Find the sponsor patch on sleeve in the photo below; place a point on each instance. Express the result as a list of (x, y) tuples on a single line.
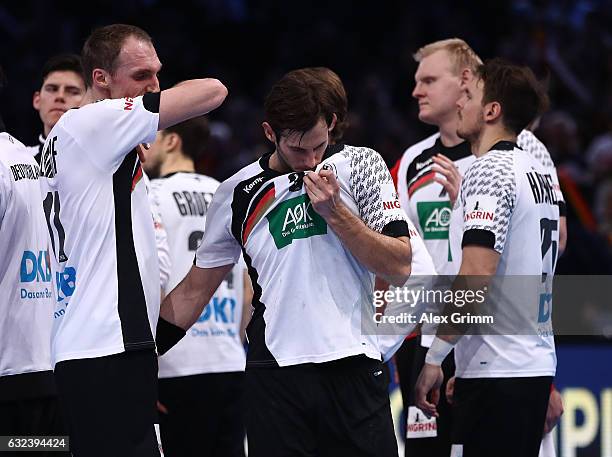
[(479, 211), (389, 197)]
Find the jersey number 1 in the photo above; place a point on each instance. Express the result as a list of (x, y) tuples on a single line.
[(52, 202)]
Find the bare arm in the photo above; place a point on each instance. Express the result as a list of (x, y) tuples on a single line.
[(562, 234), (190, 99), (388, 257), (478, 265), (185, 303)]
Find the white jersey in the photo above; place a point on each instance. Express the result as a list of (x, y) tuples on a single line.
[(309, 290), (212, 344), (425, 201), (26, 306), (509, 204), (101, 228)]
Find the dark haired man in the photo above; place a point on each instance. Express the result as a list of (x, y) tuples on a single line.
[(314, 380), (103, 242), (211, 357), (62, 88), (510, 228)]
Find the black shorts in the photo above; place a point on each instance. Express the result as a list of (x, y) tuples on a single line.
[(500, 416), (110, 404), (410, 359), (212, 404), (332, 409)]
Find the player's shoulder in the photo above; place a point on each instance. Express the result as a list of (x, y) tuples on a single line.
[(186, 180), (532, 145), (356, 154), (11, 149), (417, 149), (248, 176), (496, 166)]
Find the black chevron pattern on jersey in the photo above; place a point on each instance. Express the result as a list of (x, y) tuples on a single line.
[(492, 175)]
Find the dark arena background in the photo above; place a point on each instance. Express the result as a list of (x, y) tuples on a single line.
[(249, 44)]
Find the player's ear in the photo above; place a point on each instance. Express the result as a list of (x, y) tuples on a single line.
[(466, 76), (333, 123), (172, 142), (36, 100), (100, 78), (269, 132), (492, 111)]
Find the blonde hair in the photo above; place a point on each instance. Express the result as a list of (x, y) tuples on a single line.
[(460, 53)]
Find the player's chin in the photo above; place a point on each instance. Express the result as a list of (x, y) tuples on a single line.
[(426, 115)]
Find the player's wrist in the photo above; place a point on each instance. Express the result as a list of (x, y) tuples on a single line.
[(438, 351)]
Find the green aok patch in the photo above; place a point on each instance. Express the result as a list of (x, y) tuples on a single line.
[(434, 218), (294, 219)]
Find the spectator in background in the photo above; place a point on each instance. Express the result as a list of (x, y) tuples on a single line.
[(63, 87)]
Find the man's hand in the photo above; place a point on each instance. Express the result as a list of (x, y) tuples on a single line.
[(450, 390), (554, 412), (452, 178), (429, 382), (324, 192)]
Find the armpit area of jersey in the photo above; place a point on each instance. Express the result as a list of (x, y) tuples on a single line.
[(478, 237), (396, 229)]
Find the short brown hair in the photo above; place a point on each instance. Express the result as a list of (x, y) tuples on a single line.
[(298, 100), (516, 89), (332, 83), (194, 134), (461, 54), (103, 46)]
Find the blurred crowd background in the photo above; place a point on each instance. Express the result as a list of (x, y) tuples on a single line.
[(249, 44)]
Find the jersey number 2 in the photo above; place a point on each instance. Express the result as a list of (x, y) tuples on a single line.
[(52, 202)]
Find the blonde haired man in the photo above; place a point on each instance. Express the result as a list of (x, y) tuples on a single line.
[(428, 177)]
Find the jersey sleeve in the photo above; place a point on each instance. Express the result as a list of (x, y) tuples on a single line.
[(218, 247), (108, 130), (488, 197), (375, 194)]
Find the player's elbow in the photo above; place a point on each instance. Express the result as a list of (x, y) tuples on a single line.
[(217, 93), (398, 272)]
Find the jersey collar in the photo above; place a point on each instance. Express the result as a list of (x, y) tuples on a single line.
[(504, 146)]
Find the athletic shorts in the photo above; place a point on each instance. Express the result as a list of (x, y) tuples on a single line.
[(110, 404), (332, 409), (503, 417), (212, 404)]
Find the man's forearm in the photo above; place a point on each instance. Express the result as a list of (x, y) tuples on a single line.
[(185, 303), (388, 257)]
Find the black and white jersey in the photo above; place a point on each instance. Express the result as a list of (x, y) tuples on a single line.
[(212, 344), (425, 201), (509, 204), (101, 228), (310, 291), (26, 281)]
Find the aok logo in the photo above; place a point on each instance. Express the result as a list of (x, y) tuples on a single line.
[(294, 219), (434, 218), (35, 267)]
